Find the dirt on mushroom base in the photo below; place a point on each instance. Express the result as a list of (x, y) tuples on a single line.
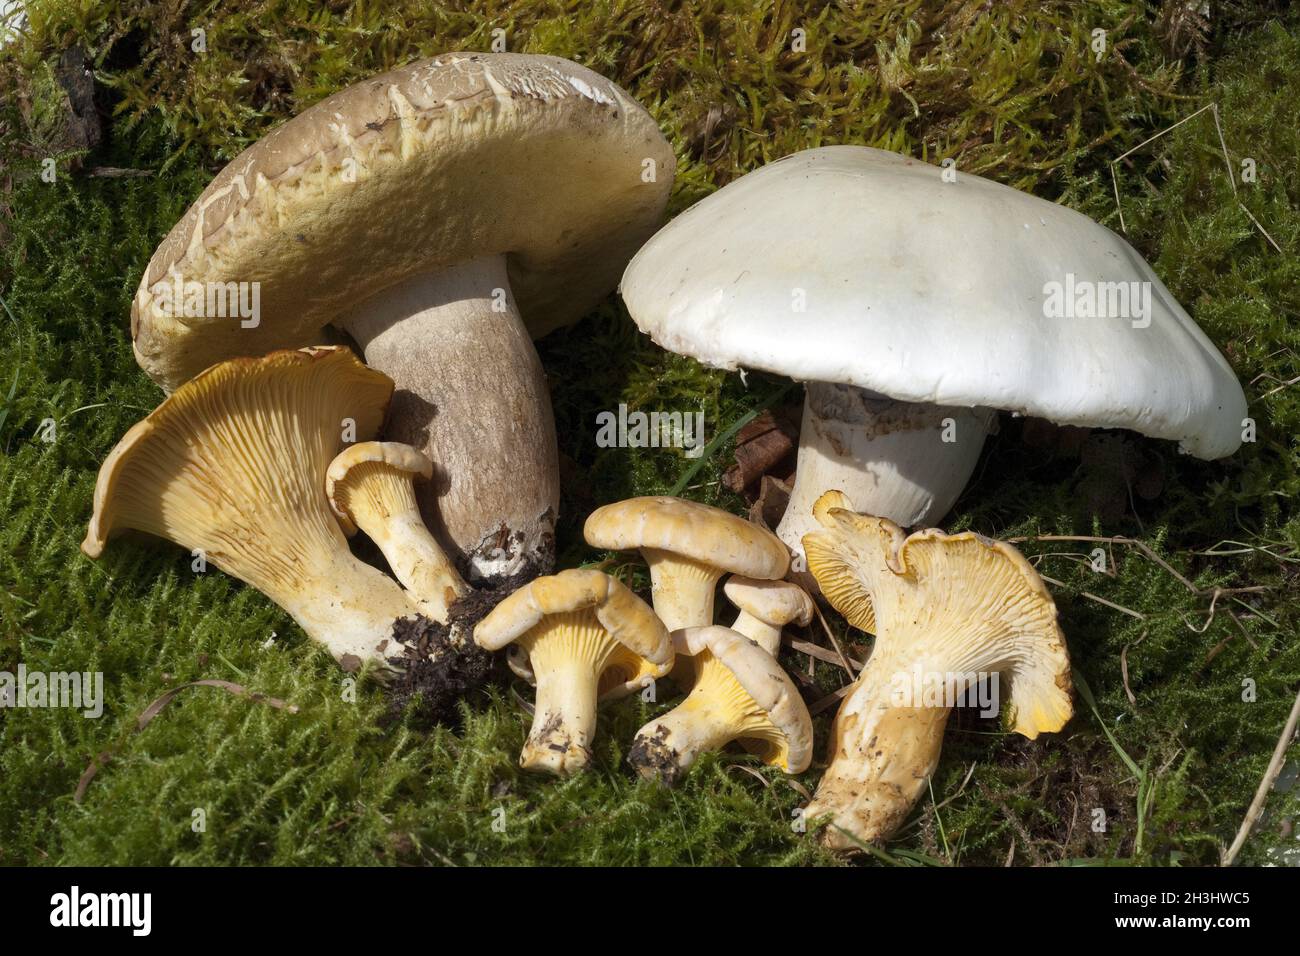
[(443, 662), (654, 759)]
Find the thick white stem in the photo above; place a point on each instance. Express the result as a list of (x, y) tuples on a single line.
[(894, 460), (471, 394)]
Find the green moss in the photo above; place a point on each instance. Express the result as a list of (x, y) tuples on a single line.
[(1012, 91)]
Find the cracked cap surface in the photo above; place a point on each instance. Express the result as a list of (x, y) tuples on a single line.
[(441, 162)]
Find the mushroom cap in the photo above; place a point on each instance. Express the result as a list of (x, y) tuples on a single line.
[(200, 422), (401, 458), (959, 603), (927, 291), (700, 532), (763, 679), (627, 618), (441, 162), (775, 603)]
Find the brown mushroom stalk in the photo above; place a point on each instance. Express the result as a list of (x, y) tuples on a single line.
[(428, 212), (480, 399), (232, 466), (577, 627), (948, 611), (370, 488)]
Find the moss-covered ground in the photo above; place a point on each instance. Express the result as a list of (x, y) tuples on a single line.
[(1182, 693)]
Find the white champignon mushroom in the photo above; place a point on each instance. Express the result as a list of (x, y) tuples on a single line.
[(914, 308)]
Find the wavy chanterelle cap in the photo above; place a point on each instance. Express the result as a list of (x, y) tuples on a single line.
[(739, 693), (232, 466), (444, 161), (766, 607), (688, 546), (576, 626), (948, 611), (344, 487)]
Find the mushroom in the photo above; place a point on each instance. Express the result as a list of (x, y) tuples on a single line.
[(739, 693), (913, 308), (370, 487), (577, 626), (688, 548), (947, 611), (441, 215), (232, 465), (766, 607)]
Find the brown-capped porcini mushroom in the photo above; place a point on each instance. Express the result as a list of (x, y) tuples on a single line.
[(443, 215), (739, 693), (948, 612), (766, 607), (370, 487), (577, 626), (233, 464)]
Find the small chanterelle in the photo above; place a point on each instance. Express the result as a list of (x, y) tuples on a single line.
[(739, 693), (584, 632), (236, 464), (947, 611)]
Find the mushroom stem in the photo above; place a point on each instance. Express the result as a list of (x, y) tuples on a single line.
[(417, 561), (480, 399), (760, 632), (665, 748), (564, 719), (881, 756), (352, 615), (897, 460), (378, 497), (682, 590)]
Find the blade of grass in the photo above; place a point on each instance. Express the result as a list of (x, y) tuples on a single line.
[(13, 386), (726, 435), (1143, 780)]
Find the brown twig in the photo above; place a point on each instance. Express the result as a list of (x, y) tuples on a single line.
[(1214, 593), (830, 636), (1261, 794), (829, 700), (1100, 600), (1123, 670), (822, 654)]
